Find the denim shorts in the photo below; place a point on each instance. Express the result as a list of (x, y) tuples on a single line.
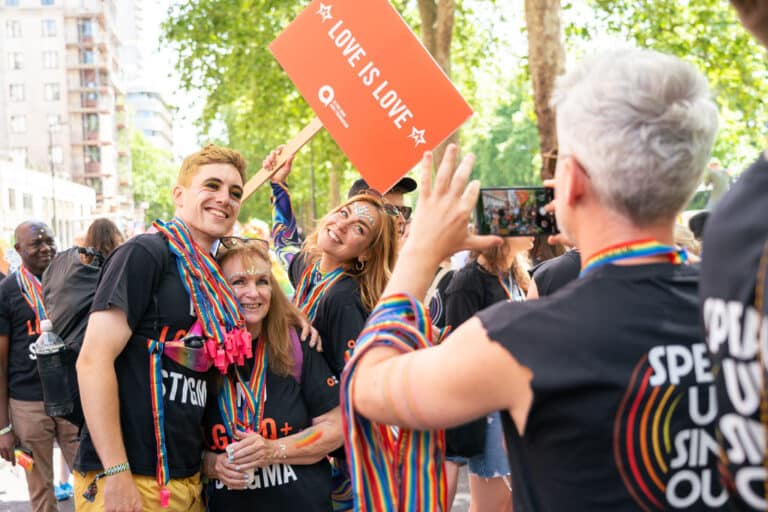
[(493, 461)]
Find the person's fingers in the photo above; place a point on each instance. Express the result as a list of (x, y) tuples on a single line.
[(549, 183), (316, 341), (306, 330), (550, 207), (469, 197), (425, 185), (445, 170), (483, 242), (461, 176)]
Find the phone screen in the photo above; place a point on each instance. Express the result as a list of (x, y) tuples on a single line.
[(514, 211)]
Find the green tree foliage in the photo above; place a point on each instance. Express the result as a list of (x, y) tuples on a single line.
[(708, 34), (507, 154), (222, 48), (154, 175)]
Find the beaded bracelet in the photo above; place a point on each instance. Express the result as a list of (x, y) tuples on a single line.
[(90, 493), (6, 430)]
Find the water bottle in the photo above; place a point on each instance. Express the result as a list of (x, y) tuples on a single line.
[(56, 366)]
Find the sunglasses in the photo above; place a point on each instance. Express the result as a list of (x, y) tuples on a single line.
[(227, 243), (390, 209)]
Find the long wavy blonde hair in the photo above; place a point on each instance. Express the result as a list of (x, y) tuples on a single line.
[(281, 317), (496, 259), (377, 270)]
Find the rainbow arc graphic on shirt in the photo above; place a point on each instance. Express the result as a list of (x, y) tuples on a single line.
[(643, 437)]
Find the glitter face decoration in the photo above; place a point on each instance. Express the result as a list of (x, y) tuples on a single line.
[(362, 210)]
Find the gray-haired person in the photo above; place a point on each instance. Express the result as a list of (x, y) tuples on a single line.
[(606, 381)]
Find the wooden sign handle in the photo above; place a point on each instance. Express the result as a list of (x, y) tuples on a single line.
[(291, 148)]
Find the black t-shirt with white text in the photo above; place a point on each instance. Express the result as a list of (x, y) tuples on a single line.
[(141, 278), (734, 240), (340, 315), (437, 304), (623, 412), (18, 322), (289, 408)]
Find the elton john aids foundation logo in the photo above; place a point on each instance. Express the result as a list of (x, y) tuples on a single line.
[(327, 97)]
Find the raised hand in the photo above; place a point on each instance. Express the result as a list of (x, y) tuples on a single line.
[(271, 161), (440, 226)]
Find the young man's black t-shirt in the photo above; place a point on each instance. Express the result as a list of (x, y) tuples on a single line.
[(622, 415), (340, 315), (471, 289), (734, 241), (18, 322), (141, 278), (289, 408), (553, 274)]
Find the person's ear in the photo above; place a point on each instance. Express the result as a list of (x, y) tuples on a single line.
[(574, 182), (178, 193)]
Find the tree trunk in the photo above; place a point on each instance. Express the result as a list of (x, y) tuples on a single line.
[(437, 21), (546, 60)]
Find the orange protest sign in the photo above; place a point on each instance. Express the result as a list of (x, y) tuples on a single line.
[(373, 85)]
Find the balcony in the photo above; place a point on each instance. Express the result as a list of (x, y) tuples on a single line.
[(92, 169)]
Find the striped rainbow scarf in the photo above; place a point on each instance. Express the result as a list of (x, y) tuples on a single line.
[(32, 291), (392, 472)]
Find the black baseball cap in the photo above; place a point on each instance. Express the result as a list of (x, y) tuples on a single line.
[(403, 186)]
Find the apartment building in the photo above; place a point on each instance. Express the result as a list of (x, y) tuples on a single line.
[(29, 194), (62, 99)]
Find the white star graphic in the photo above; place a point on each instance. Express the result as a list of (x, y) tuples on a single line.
[(325, 12), (417, 136)]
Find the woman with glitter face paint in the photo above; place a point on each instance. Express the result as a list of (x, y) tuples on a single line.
[(339, 274), (285, 387)]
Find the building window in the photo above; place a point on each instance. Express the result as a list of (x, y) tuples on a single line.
[(54, 122), (91, 154), (11, 3), (57, 154), (52, 92), (26, 202), (51, 60), (86, 57), (46, 2), (16, 92), (13, 28), (91, 126), (85, 30), (18, 123), (49, 28), (15, 61), (11, 199)]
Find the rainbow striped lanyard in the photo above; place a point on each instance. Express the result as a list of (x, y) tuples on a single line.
[(32, 291), (307, 296), (634, 249), (514, 294), (247, 417), (392, 473), (219, 316)]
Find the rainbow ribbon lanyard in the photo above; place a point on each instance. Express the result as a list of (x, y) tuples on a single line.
[(32, 291), (388, 473), (219, 315), (634, 249), (308, 297), (246, 418), (508, 288)]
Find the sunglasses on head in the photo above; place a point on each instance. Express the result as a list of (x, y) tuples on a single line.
[(227, 243), (390, 209)]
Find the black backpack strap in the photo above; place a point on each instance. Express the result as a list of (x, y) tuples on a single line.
[(523, 493)]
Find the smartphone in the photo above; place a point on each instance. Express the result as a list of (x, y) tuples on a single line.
[(514, 211)]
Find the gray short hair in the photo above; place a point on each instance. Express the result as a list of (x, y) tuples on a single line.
[(642, 124)]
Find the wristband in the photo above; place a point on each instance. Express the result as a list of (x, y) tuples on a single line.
[(283, 451), (6, 430), (90, 492)]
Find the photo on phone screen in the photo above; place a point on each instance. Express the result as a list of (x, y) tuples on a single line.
[(514, 211)]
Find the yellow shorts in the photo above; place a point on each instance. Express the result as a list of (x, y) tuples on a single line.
[(185, 493)]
